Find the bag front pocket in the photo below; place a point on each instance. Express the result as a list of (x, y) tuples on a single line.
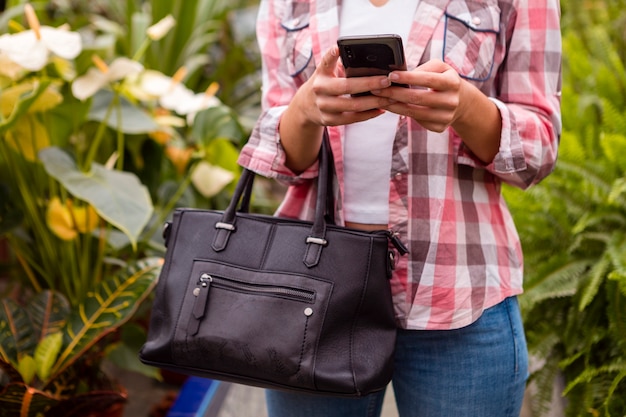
[(256, 323)]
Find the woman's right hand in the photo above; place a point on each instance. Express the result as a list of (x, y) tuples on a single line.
[(325, 100), (326, 97)]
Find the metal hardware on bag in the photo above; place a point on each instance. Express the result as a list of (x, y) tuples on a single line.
[(397, 243), (308, 311), (205, 279), (392, 260), (317, 241), (165, 232), (199, 306), (222, 225)]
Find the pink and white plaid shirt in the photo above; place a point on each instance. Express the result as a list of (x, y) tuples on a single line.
[(445, 205)]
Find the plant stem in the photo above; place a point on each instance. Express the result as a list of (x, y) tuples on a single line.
[(93, 149), (120, 140)]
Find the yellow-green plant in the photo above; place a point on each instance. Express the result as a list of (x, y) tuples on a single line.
[(96, 149)]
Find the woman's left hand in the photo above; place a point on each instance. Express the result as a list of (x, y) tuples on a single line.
[(436, 98)]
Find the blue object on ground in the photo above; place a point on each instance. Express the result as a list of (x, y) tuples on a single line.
[(199, 397)]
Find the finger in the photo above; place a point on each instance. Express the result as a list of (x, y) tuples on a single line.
[(329, 61), (345, 118), (348, 104), (434, 65)]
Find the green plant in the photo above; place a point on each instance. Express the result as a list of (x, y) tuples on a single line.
[(572, 225), (96, 149)]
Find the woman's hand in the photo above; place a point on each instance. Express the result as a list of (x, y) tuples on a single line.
[(325, 100), (439, 98)]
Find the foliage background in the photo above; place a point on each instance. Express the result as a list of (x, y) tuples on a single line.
[(573, 224)]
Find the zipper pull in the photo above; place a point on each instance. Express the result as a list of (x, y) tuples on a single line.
[(201, 292), (397, 243)]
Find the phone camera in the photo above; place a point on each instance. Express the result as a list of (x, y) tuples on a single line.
[(349, 52)]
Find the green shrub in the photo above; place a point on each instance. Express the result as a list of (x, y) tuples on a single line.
[(573, 224)]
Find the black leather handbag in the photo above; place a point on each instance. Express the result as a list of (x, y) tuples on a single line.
[(274, 302)]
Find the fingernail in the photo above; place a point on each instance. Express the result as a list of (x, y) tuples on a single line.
[(385, 82), (393, 76)]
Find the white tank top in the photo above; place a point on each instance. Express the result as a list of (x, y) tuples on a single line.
[(368, 145)]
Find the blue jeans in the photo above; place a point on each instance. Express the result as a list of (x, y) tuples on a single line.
[(477, 371)]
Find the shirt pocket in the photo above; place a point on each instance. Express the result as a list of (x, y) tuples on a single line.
[(298, 42), (470, 40)]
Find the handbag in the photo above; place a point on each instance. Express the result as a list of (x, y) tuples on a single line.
[(275, 302)]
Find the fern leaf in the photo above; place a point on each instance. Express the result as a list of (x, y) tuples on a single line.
[(597, 276), (561, 282)]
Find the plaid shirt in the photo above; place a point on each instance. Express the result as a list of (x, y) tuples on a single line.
[(445, 205)]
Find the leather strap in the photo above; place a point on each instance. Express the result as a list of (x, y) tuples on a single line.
[(324, 207)]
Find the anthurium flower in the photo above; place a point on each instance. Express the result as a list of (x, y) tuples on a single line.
[(186, 102), (152, 85), (210, 179), (32, 48), (97, 78), (67, 220), (101, 76), (161, 28)]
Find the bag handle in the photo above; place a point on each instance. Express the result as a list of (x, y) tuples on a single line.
[(324, 207)]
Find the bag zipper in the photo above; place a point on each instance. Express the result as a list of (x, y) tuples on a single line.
[(206, 281)]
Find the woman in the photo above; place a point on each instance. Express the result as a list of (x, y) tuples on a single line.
[(427, 162)]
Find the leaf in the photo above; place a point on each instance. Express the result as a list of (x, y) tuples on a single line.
[(18, 399), (111, 304), (216, 122), (46, 100), (89, 404), (48, 311), (27, 368), (23, 105), (126, 117), (118, 197), (16, 331), (46, 353), (597, 275), (27, 137)]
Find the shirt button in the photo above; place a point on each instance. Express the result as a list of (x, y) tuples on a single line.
[(476, 21)]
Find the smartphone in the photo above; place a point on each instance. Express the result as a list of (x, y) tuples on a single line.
[(371, 55)]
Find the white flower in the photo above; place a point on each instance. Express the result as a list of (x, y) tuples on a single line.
[(151, 85), (161, 28), (32, 48), (96, 78), (210, 179), (183, 101)]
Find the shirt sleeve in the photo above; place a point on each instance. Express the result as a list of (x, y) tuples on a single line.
[(263, 153), (528, 93)]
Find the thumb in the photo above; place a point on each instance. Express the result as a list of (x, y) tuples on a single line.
[(329, 61)]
